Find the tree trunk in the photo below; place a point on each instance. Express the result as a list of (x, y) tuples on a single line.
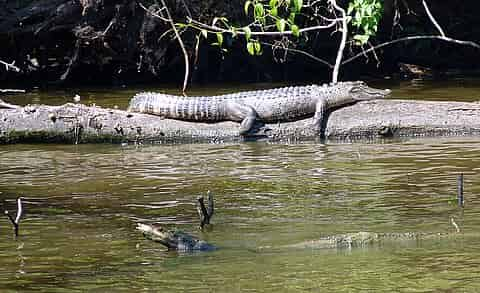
[(72, 123)]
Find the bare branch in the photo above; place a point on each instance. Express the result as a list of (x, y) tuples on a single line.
[(153, 13), (435, 23), (411, 38), (303, 53), (5, 105), (11, 91), (179, 39), (10, 66), (16, 222), (341, 48), (217, 29)]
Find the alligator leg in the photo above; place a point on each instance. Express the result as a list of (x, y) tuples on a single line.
[(319, 122), (246, 114)]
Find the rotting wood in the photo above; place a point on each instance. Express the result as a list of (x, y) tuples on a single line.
[(377, 119)]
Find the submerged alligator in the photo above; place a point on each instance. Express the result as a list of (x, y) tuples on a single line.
[(268, 106), (174, 239), (181, 241)]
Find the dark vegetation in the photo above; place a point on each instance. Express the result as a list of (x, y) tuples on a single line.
[(115, 42)]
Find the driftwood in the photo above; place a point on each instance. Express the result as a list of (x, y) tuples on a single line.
[(76, 123)]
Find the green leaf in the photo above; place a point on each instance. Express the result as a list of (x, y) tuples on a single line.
[(248, 33), (274, 11), (258, 48), (219, 39), (295, 30), (273, 4), (246, 6), (258, 11), (361, 39), (291, 17), (281, 24), (297, 5), (250, 48)]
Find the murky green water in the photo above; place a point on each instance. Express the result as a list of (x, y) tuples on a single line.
[(82, 203)]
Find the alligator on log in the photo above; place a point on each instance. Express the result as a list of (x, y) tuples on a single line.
[(271, 106), (177, 240), (375, 119)]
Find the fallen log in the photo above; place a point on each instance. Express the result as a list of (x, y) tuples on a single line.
[(77, 123)]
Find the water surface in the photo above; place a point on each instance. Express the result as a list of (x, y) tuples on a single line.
[(82, 203)]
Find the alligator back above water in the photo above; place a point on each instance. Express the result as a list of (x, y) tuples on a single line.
[(269, 106), (181, 241), (361, 239)]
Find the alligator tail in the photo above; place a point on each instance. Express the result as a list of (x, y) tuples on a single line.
[(175, 107)]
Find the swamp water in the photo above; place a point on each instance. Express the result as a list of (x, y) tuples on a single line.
[(82, 203)]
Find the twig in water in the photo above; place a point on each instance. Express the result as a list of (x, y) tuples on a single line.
[(205, 213), (460, 198), (455, 225), (16, 221)]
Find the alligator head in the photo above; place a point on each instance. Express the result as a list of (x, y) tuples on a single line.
[(360, 91), (160, 234), (174, 239)]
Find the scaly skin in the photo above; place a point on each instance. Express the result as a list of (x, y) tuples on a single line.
[(174, 240), (181, 241), (269, 106)]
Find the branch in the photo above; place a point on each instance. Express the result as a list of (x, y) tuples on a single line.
[(15, 222), (442, 38), (10, 66), (205, 213), (303, 53), (177, 35), (435, 23), (217, 29), (5, 105), (341, 48)]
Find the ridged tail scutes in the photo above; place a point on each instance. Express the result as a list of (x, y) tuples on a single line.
[(177, 107)]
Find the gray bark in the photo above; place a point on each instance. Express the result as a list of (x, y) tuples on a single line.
[(72, 123)]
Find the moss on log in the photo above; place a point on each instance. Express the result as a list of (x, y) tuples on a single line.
[(76, 123)]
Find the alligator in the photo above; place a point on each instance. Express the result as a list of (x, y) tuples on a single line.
[(361, 239), (174, 239), (267, 106), (181, 241)]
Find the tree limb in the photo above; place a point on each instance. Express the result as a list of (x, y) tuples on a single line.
[(435, 23), (169, 19), (411, 38), (10, 66), (343, 42)]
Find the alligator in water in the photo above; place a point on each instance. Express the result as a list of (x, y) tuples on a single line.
[(174, 239), (181, 241), (268, 106)]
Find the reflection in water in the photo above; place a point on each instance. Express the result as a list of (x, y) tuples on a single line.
[(82, 203)]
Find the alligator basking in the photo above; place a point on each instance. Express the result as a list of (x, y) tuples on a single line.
[(181, 241), (268, 106)]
